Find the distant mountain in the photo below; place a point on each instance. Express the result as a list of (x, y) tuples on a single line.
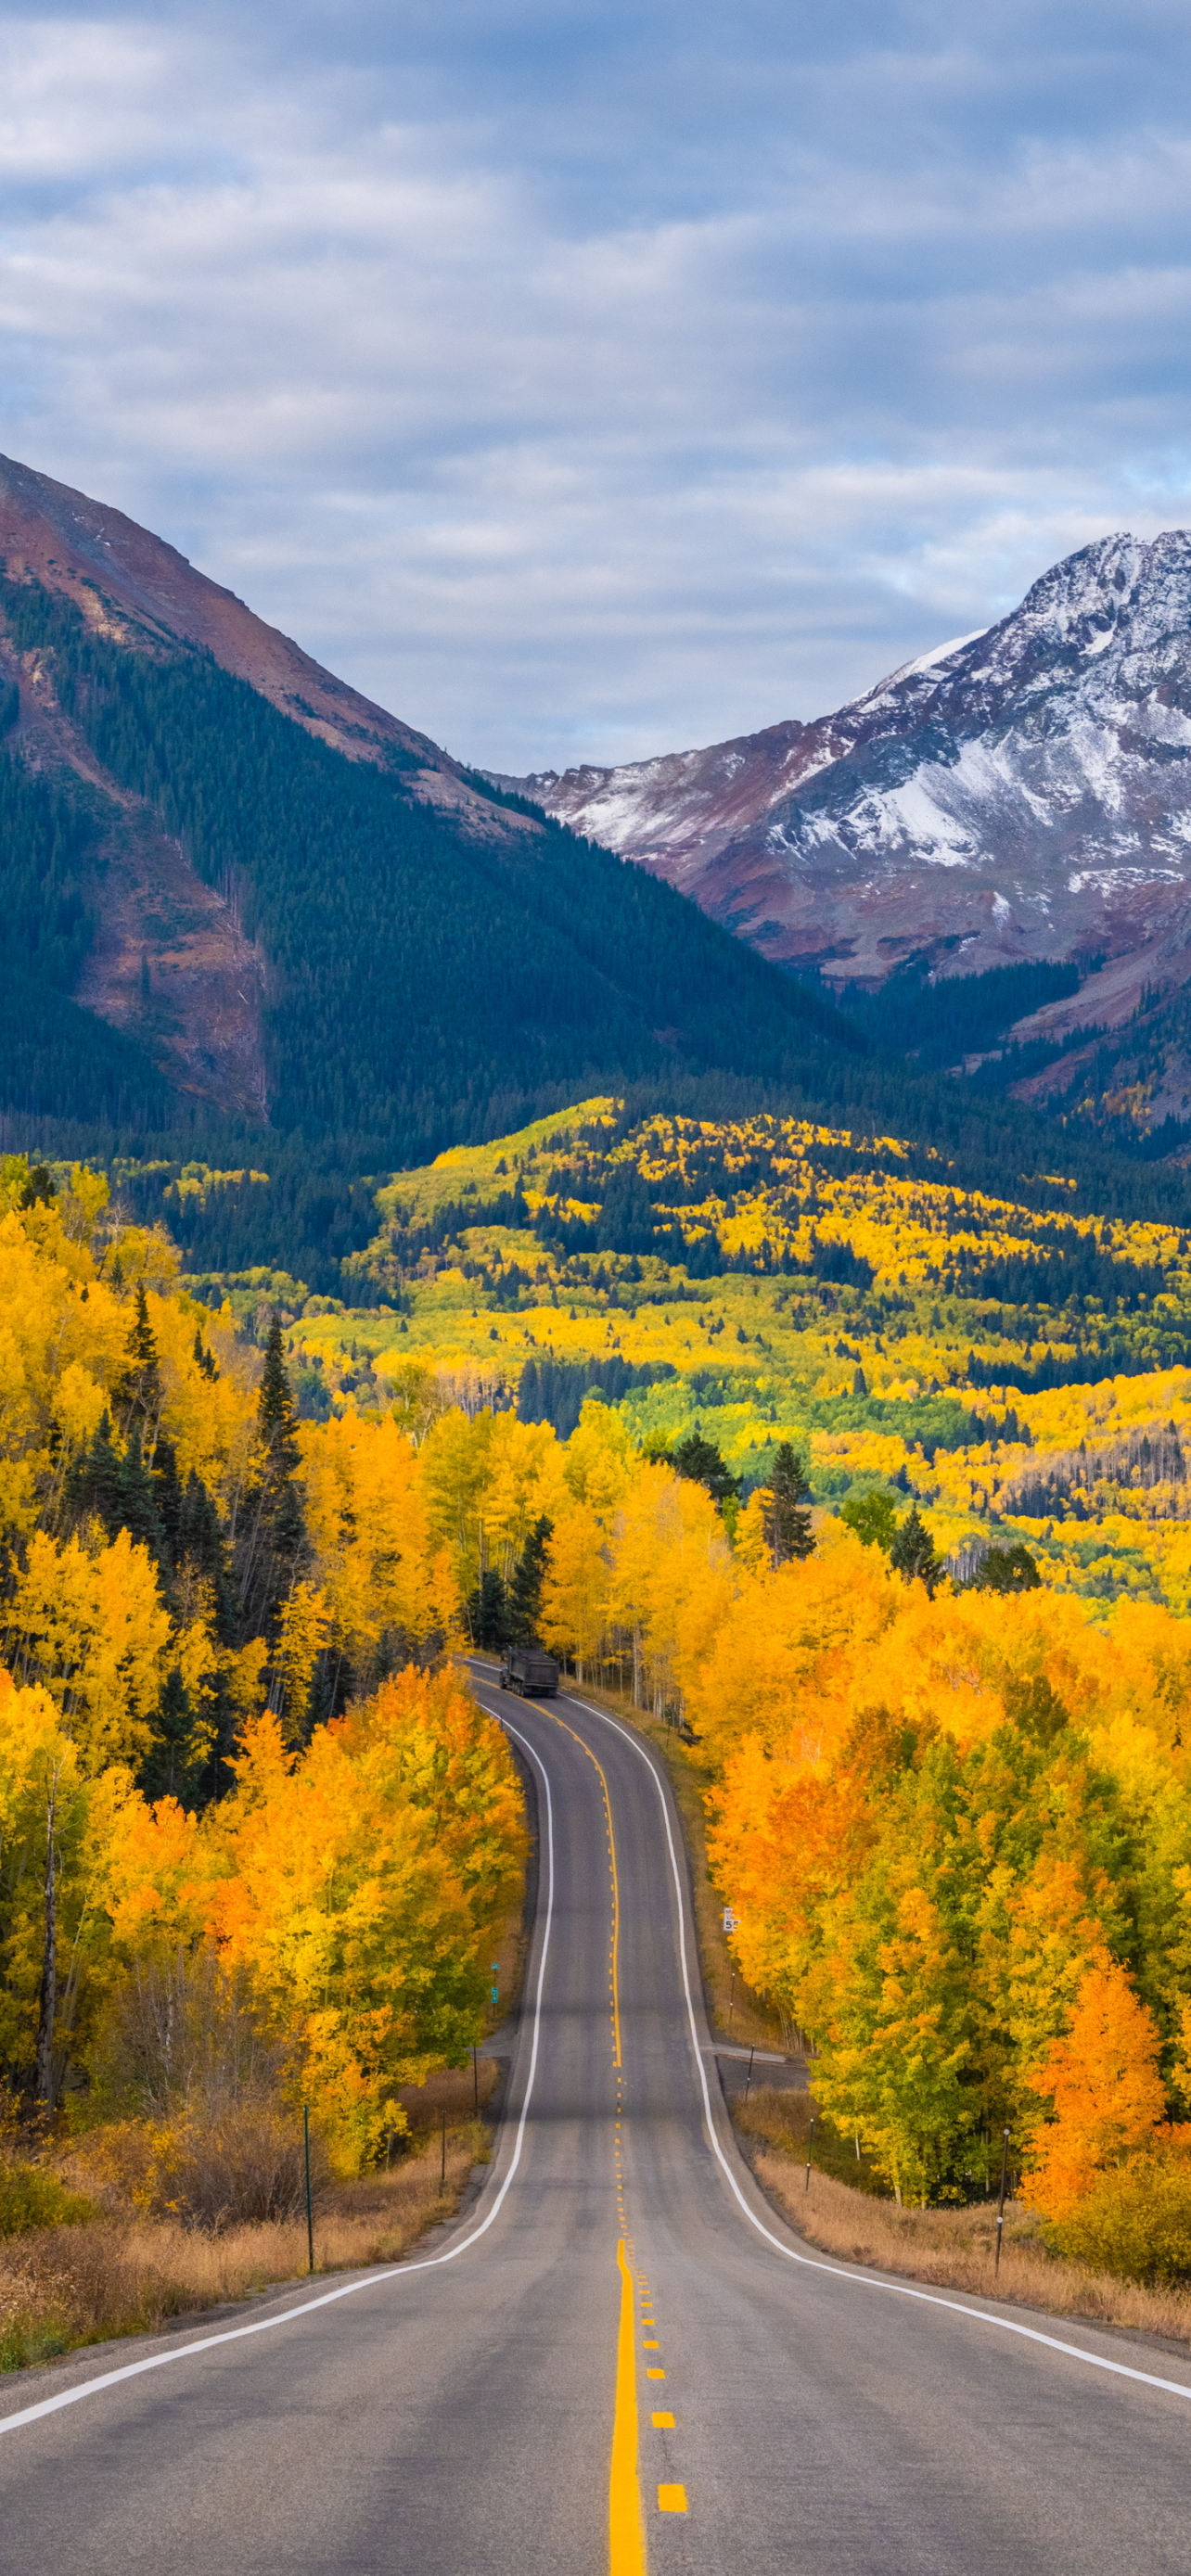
[(231, 885), (1021, 795)]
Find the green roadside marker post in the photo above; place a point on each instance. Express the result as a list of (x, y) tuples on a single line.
[(309, 2201), (809, 2144), (475, 2076)]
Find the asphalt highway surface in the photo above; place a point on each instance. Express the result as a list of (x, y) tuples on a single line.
[(620, 2356)]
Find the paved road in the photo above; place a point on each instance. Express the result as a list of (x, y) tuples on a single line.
[(461, 2417)]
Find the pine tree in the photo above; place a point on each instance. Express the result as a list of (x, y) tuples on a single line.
[(913, 1553), (272, 1545), (167, 1493), (39, 1189), (699, 1459), (137, 1394), (787, 1521), (201, 1544), (525, 1590), (487, 1611), (94, 1483), (118, 1492), (139, 1514), (276, 1411), (171, 1768)]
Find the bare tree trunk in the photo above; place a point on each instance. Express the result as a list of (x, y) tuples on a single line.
[(49, 1969)]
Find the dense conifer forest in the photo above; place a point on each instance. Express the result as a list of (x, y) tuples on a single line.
[(422, 979)]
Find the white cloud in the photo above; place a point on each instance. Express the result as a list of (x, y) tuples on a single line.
[(620, 389)]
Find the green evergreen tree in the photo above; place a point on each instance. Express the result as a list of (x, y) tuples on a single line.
[(271, 1540), (171, 1768), (201, 1544), (276, 1411), (39, 1189), (94, 1482), (488, 1611), (913, 1553), (203, 1358), (524, 1607), (118, 1492), (698, 1459), (137, 1393), (167, 1494), (787, 1519), (139, 1513)]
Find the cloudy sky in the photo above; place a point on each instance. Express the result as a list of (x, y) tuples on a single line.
[(585, 381)]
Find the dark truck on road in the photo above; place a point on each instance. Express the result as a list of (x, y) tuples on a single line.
[(527, 1670)]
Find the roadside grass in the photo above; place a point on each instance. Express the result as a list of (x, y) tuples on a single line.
[(460, 2091), (952, 2249), (63, 2287), (782, 2120)]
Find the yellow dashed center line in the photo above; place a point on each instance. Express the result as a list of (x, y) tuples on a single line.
[(626, 2530), (615, 1943)]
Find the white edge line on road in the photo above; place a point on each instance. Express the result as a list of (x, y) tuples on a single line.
[(366, 2280), (855, 2279)]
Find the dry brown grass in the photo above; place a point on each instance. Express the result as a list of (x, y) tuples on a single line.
[(65, 2286), (954, 2249), (460, 2091)]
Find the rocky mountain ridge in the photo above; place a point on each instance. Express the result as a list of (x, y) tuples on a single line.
[(170, 961), (236, 895), (1023, 793)]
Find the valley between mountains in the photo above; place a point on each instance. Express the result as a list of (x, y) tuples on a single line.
[(721, 1229)]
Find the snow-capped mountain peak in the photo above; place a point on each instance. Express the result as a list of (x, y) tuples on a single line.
[(1018, 793)]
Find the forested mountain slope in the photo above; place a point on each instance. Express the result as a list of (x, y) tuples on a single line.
[(292, 907)]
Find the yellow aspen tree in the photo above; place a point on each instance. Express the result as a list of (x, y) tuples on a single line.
[(93, 1629), (355, 1888), (524, 1482), (304, 1625), (454, 1465), (599, 1458), (576, 1590), (367, 1520)]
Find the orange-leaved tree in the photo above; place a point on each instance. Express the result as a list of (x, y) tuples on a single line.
[(1105, 2092)]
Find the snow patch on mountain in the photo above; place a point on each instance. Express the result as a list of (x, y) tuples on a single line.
[(1023, 791)]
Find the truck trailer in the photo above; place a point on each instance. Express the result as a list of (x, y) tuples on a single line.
[(526, 1670)]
